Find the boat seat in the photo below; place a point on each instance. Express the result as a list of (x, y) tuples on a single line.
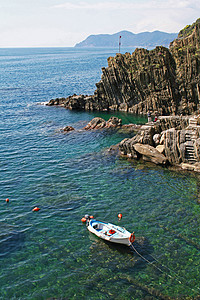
[(97, 228)]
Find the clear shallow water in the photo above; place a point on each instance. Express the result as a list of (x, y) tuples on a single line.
[(50, 253)]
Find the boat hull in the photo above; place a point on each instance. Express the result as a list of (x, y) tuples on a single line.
[(110, 232)]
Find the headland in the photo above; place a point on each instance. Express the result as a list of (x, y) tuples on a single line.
[(162, 81)]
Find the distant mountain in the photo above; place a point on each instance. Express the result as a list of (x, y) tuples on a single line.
[(129, 39)]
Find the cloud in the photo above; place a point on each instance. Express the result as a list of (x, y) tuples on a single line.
[(70, 21), (94, 6), (133, 15), (124, 5), (195, 4)]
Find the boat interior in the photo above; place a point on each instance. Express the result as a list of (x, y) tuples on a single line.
[(105, 229)]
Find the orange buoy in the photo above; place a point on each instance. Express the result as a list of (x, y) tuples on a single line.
[(91, 217), (83, 220), (132, 237), (7, 200), (119, 216), (36, 209)]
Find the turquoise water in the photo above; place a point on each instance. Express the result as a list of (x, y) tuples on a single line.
[(50, 253)]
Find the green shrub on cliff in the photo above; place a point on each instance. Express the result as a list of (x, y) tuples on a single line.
[(187, 30)]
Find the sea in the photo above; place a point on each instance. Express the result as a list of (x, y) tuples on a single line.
[(50, 254)]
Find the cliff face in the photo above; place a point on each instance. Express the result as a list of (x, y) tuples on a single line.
[(137, 82), (186, 53), (162, 80)]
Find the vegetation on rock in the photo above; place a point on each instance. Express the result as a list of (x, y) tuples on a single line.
[(187, 30)]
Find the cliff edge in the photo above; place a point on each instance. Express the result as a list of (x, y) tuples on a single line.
[(163, 80)]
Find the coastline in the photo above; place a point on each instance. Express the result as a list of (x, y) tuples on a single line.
[(155, 81), (50, 252), (169, 141)]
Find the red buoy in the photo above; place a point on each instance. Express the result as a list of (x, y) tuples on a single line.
[(119, 216), (7, 200), (83, 220), (91, 217), (132, 237), (36, 209)]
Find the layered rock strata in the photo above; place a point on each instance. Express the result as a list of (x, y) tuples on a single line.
[(160, 143), (162, 80)]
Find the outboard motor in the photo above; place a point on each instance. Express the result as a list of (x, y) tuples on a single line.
[(87, 219)]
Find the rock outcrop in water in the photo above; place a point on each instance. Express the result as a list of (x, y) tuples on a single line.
[(98, 123), (68, 128), (163, 80)]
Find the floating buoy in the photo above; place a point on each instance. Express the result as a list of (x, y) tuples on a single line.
[(119, 216), (36, 209), (7, 200), (132, 237), (83, 220), (91, 217)]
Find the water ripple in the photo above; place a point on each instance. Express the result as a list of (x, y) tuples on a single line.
[(50, 253)]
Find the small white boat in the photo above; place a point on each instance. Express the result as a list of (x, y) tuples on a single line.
[(110, 232)]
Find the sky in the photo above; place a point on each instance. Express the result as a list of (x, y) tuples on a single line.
[(63, 23)]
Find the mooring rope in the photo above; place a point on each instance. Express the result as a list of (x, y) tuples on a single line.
[(159, 269), (179, 235), (151, 263)]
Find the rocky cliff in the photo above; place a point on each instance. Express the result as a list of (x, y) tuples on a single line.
[(163, 80), (186, 53)]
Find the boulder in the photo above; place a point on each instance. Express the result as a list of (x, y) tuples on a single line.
[(68, 128), (161, 149), (95, 123), (133, 127), (145, 135), (113, 122), (98, 123), (187, 167), (156, 139), (197, 167), (150, 153), (171, 144)]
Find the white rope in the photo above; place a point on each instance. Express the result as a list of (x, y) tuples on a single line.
[(159, 269), (151, 263)]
